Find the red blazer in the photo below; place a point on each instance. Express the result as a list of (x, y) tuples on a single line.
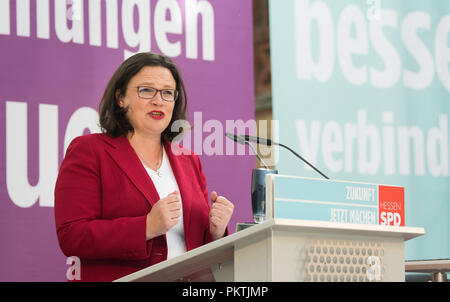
[(102, 197)]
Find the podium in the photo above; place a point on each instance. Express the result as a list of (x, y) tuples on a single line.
[(292, 250)]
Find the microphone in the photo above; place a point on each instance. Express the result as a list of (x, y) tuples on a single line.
[(258, 140), (258, 182), (269, 142), (240, 140), (237, 139)]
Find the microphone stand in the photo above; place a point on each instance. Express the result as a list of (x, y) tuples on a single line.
[(258, 188), (269, 142), (296, 154), (257, 155), (258, 184)]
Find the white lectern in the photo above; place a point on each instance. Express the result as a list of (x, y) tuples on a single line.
[(292, 250)]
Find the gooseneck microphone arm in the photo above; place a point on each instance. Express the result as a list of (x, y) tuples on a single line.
[(242, 141), (257, 155), (295, 153), (269, 142)]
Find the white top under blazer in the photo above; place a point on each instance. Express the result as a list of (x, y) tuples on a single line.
[(165, 184)]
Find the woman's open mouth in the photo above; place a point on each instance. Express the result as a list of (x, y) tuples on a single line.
[(156, 114)]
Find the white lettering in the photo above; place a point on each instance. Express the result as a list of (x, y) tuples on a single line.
[(83, 118), (43, 19), (374, 271), (373, 12), (240, 126), (355, 38), (388, 143), (112, 24), (347, 46), (387, 148), (438, 136), (350, 131), (74, 270), (443, 51), (338, 215), (213, 143), (21, 192), (423, 78), (141, 37), (73, 13), (362, 217), (309, 147), (404, 135), (205, 9), (367, 134), (392, 61), (19, 189), (305, 14), (69, 24), (23, 18), (173, 26), (360, 193), (5, 22), (95, 23), (332, 143), (389, 218)]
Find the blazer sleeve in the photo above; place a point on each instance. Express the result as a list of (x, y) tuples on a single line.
[(81, 231)]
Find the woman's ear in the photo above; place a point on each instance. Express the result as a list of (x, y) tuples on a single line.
[(119, 99)]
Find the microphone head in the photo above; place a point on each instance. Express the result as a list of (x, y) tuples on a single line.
[(237, 139), (255, 139)]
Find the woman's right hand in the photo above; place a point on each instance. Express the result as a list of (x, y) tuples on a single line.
[(163, 215)]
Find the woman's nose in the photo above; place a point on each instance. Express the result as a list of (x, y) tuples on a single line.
[(157, 99)]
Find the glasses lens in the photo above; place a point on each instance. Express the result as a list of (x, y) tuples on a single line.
[(147, 92), (169, 94)]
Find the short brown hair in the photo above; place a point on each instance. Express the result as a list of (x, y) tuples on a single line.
[(113, 119)]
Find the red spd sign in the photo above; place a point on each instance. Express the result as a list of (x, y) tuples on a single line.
[(391, 205)]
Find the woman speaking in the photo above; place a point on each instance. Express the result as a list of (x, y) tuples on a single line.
[(124, 200)]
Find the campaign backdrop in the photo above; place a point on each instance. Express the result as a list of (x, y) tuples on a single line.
[(361, 89), (56, 58)]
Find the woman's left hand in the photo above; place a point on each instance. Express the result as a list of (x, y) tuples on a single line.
[(219, 215)]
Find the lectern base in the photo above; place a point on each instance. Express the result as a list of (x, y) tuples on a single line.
[(290, 250)]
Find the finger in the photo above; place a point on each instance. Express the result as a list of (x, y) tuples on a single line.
[(175, 214), (222, 200), (220, 212), (216, 221), (169, 199), (174, 206), (220, 208), (175, 192), (223, 205), (172, 198), (213, 196), (173, 222)]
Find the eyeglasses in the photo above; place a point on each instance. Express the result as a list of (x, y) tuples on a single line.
[(146, 92)]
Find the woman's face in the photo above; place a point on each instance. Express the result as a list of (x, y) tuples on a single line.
[(149, 116)]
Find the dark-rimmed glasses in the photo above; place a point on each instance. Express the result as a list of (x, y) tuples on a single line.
[(147, 92)]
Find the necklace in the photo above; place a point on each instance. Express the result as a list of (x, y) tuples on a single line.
[(156, 167)]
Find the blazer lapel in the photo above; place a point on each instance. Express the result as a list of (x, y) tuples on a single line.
[(126, 158)]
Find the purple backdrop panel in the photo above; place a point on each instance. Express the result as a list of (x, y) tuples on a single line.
[(56, 58)]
